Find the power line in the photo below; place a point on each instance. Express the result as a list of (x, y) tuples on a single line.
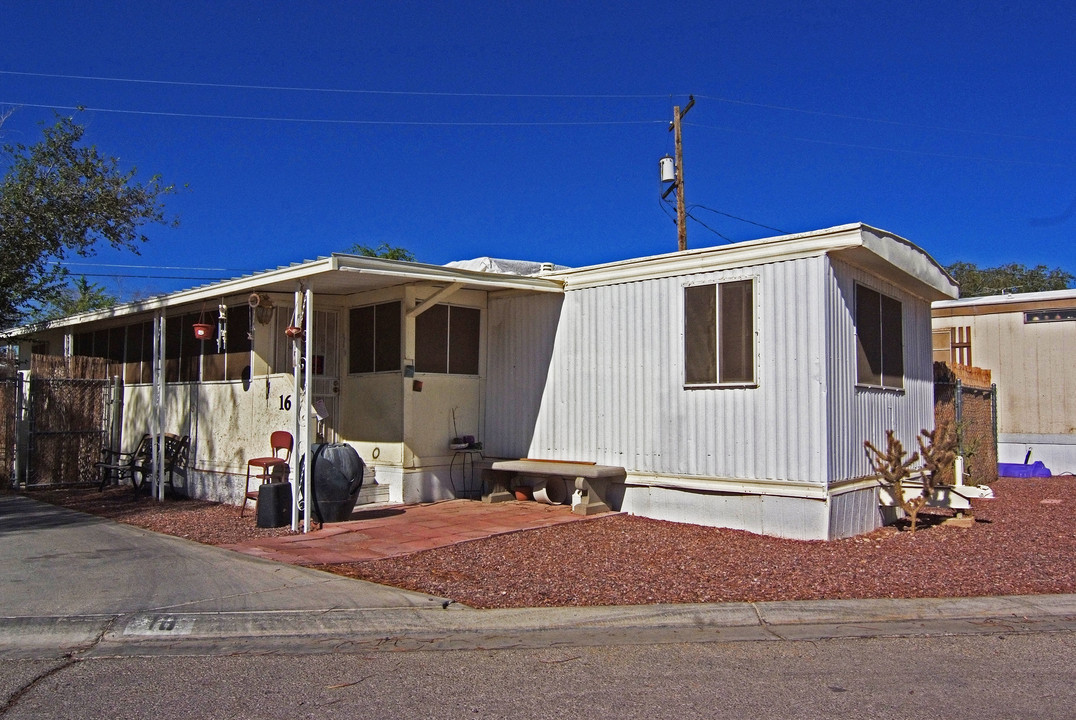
[(884, 121), (342, 91), (880, 148), (537, 96), (715, 232), (151, 277), (734, 217), (323, 121), (149, 267)]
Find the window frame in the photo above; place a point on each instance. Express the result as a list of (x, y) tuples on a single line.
[(457, 324), (705, 362), (129, 349), (377, 348), (231, 360), (873, 329)]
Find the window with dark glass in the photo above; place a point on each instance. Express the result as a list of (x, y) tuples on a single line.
[(229, 362), (108, 344), (879, 339), (83, 345), (431, 340), (719, 334), (464, 333), (130, 349), (138, 357), (374, 333), (239, 343), (447, 340)]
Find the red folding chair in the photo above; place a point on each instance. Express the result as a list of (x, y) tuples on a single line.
[(271, 468)]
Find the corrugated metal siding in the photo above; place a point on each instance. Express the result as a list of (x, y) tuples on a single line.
[(615, 393), (600, 378), (522, 330), (779, 516), (853, 513), (858, 414)]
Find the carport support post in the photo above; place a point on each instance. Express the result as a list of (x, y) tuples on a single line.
[(302, 361), (296, 416), (308, 372), (158, 405)]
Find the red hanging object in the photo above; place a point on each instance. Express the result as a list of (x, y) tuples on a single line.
[(202, 330)]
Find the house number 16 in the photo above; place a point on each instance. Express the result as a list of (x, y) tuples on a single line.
[(285, 402)]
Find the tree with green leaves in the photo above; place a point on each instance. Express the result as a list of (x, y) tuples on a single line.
[(384, 250), (1014, 277), (59, 199), (78, 297)]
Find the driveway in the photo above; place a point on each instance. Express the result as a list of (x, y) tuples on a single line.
[(57, 562)]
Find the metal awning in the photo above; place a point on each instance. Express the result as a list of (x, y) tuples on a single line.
[(337, 274)]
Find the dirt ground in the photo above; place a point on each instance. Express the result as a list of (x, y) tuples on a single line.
[(1021, 542)]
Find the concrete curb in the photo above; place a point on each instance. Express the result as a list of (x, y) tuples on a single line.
[(455, 628)]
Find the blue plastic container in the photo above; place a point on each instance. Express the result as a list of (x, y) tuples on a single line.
[(1022, 470)]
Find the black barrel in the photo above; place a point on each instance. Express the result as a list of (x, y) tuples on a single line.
[(336, 471)]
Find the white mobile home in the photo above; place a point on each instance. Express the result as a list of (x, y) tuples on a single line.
[(1028, 343), (735, 385)]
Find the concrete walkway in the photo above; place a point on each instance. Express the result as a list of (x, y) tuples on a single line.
[(79, 586), (58, 562), (394, 530)]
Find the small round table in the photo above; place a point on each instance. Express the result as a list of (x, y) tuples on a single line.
[(466, 457)]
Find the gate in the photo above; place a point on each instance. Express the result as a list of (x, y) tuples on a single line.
[(9, 407), (68, 423), (973, 412)]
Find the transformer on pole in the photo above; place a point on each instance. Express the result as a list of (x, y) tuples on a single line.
[(675, 168)]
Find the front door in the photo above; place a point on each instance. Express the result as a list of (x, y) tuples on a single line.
[(325, 381)]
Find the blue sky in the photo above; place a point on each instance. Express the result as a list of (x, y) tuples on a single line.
[(533, 130)]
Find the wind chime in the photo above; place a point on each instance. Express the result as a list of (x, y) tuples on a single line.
[(222, 327)]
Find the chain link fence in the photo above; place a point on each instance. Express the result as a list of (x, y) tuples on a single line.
[(973, 412)]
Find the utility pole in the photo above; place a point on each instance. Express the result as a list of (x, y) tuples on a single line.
[(678, 183)]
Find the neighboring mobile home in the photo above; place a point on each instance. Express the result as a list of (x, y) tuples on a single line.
[(735, 385), (1028, 343)]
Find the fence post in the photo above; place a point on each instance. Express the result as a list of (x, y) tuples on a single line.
[(958, 414), (22, 429), (994, 414), (115, 413)]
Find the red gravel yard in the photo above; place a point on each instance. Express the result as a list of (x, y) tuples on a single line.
[(1022, 542)]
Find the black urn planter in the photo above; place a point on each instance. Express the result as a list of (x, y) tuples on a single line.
[(336, 472)]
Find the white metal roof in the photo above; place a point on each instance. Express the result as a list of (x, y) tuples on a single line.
[(338, 274), (342, 274), (1063, 296), (875, 250)]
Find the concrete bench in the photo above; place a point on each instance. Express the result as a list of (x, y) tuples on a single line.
[(590, 482)]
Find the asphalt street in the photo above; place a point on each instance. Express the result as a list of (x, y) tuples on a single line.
[(977, 677)]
